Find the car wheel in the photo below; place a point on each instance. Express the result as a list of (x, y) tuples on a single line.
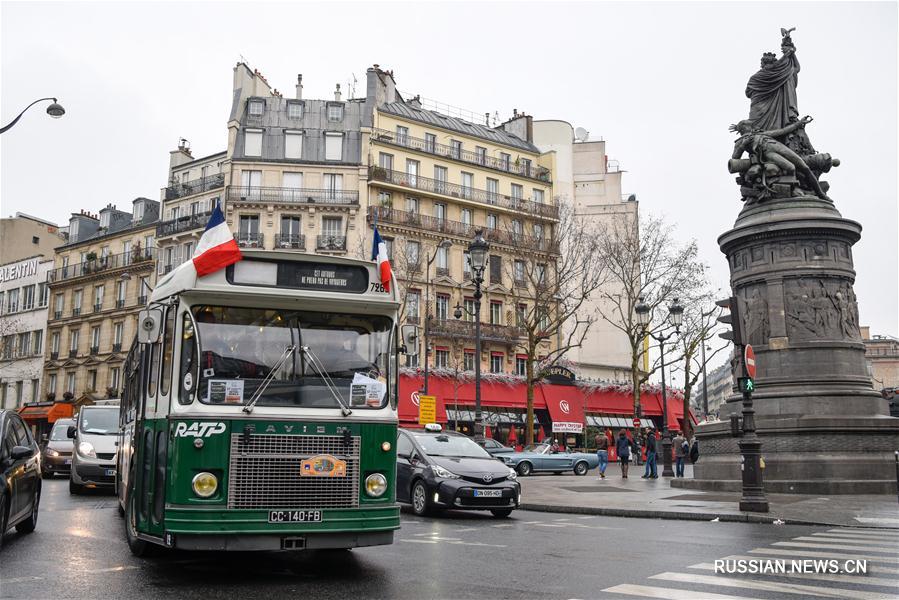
[(46, 475), (581, 468), (524, 468), (28, 525), (74, 488), (420, 504), (501, 513), (4, 518)]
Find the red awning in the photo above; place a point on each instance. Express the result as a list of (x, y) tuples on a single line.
[(48, 412), (565, 403)]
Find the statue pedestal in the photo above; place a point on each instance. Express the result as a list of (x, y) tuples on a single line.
[(823, 428)]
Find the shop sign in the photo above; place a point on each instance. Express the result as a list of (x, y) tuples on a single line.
[(557, 374), (563, 427), (19, 270)]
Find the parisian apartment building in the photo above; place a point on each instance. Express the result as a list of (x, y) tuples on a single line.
[(101, 278), (882, 355)]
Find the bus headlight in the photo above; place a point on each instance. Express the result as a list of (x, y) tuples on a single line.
[(204, 484), (375, 485)]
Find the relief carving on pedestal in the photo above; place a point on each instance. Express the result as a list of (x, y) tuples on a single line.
[(820, 309), (755, 325)]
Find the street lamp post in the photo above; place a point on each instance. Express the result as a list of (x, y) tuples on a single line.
[(477, 258), (443, 244), (644, 317), (55, 110), (705, 387)]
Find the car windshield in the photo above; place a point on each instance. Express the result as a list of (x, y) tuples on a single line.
[(332, 353), (450, 445), (103, 421), (538, 448), (60, 432)]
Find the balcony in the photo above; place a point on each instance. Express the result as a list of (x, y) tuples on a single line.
[(95, 350), (76, 312), (473, 158), (188, 188), (331, 243), (73, 353), (249, 240), (505, 334), (291, 241), (103, 263), (182, 224), (442, 272), (308, 196), (444, 188), (462, 230), (54, 355), (142, 300), (57, 314), (120, 303), (98, 308), (117, 347)]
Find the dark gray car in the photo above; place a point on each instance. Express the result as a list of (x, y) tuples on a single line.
[(56, 457), (20, 478)]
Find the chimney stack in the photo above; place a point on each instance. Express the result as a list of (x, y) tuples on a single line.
[(299, 86), (337, 93)]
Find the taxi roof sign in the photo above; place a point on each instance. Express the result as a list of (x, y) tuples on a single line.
[(433, 427)]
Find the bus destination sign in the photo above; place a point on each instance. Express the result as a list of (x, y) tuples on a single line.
[(325, 277)]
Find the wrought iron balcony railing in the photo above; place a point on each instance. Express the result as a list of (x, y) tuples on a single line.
[(292, 195), (520, 167), (332, 243), (462, 230), (466, 329), (117, 347), (445, 188), (103, 263), (189, 188), (182, 224), (293, 241), (249, 240)]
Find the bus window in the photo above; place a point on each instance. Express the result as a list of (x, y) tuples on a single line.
[(154, 369), (187, 376), (168, 350)]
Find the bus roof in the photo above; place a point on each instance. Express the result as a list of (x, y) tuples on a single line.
[(285, 273)]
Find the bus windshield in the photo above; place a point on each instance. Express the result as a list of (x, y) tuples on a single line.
[(309, 357)]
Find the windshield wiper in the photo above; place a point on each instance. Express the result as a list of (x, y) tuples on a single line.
[(269, 378), (319, 368)]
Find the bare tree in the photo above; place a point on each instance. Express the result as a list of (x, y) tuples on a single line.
[(644, 260), (551, 281)]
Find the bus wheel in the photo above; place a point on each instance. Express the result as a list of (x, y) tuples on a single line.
[(137, 546)]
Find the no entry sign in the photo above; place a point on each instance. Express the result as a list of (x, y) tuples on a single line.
[(636, 422), (749, 361)]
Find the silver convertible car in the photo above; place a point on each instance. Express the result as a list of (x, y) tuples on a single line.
[(540, 457)]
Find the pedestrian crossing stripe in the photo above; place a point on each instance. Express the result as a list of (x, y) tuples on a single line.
[(769, 586), (884, 549), (871, 568), (857, 579), (816, 554), (647, 591), (856, 536), (829, 540), (890, 533)]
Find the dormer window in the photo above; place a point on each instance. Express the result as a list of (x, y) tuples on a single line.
[(256, 108), (335, 113), (73, 229), (104, 219), (294, 110), (138, 211)]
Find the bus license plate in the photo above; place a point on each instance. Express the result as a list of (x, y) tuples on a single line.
[(488, 493), (110, 472), (294, 516)]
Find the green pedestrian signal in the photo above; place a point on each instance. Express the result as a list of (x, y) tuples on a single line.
[(746, 384)]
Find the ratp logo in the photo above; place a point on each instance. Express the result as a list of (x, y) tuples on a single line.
[(200, 430), (563, 404)]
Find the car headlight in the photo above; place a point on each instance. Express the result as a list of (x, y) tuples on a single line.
[(375, 485), (51, 452), (87, 449), (512, 474), (204, 484), (444, 473)]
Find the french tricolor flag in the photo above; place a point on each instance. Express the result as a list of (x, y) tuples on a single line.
[(217, 247), (379, 253)]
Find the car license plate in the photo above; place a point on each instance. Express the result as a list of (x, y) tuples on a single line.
[(294, 516), (68, 461), (488, 493), (110, 472)]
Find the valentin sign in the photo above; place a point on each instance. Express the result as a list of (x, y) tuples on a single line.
[(19, 270)]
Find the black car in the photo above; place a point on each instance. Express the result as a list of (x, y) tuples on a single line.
[(20, 475), (437, 470)]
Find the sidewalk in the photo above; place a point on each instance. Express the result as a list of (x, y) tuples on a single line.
[(654, 498)]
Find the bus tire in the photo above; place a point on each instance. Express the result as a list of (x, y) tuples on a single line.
[(138, 547)]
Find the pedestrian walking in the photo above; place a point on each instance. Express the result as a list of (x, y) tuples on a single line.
[(681, 450), (623, 448), (602, 451), (650, 471)]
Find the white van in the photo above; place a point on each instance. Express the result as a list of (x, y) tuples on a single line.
[(94, 459)]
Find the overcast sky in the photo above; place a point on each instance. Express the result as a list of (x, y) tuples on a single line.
[(660, 82)]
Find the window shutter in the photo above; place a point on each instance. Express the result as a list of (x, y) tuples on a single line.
[(252, 142), (293, 145)]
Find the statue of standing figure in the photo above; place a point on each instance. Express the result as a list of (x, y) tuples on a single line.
[(774, 136)]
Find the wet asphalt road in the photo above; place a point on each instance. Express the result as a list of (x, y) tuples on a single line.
[(79, 551)]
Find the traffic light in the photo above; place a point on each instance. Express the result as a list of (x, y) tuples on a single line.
[(732, 318), (746, 384)]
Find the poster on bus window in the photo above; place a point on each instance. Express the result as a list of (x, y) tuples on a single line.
[(227, 391), (365, 391)]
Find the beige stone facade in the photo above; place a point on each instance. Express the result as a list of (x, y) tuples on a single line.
[(882, 354), (24, 236)]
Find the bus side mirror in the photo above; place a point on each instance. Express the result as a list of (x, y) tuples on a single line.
[(149, 325), (410, 339)]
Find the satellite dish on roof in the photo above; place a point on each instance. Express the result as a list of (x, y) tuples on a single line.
[(581, 134)]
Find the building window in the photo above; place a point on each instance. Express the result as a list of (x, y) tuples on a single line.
[(252, 142), (187, 252), (470, 313), (74, 334), (496, 362), (402, 135), (121, 289), (481, 154), (76, 302), (70, 382), (54, 343), (28, 297), (413, 302), (492, 190), (456, 148), (92, 380), (517, 191), (413, 253), (540, 273), (519, 272), (430, 142), (95, 339), (496, 312), (114, 375), (335, 113), (538, 231), (37, 342), (12, 301), (51, 384), (138, 212), (294, 110), (24, 344), (466, 216), (99, 291), (19, 391), (58, 306), (442, 258), (332, 225), (467, 184), (441, 358), (496, 269), (385, 161), (440, 176), (505, 160), (468, 360), (385, 199), (333, 146), (118, 333), (521, 365), (412, 172), (144, 289), (293, 144), (412, 360), (525, 166), (412, 205), (538, 196), (491, 221), (9, 346), (442, 306), (466, 264), (256, 108), (521, 312), (440, 211)]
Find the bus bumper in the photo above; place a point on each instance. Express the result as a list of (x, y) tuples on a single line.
[(275, 541)]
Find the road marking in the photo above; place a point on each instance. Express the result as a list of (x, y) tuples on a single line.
[(667, 594), (420, 541), (871, 568), (20, 579), (810, 554), (884, 549), (877, 520), (892, 533), (112, 569), (813, 538), (463, 530), (769, 586), (852, 536), (503, 525), (858, 579)]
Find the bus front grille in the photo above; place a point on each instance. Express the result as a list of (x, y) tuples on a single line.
[(265, 472)]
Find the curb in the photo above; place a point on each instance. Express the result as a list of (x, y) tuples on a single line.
[(679, 516)]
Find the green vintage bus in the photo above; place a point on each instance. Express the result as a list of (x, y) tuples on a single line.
[(259, 409)]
